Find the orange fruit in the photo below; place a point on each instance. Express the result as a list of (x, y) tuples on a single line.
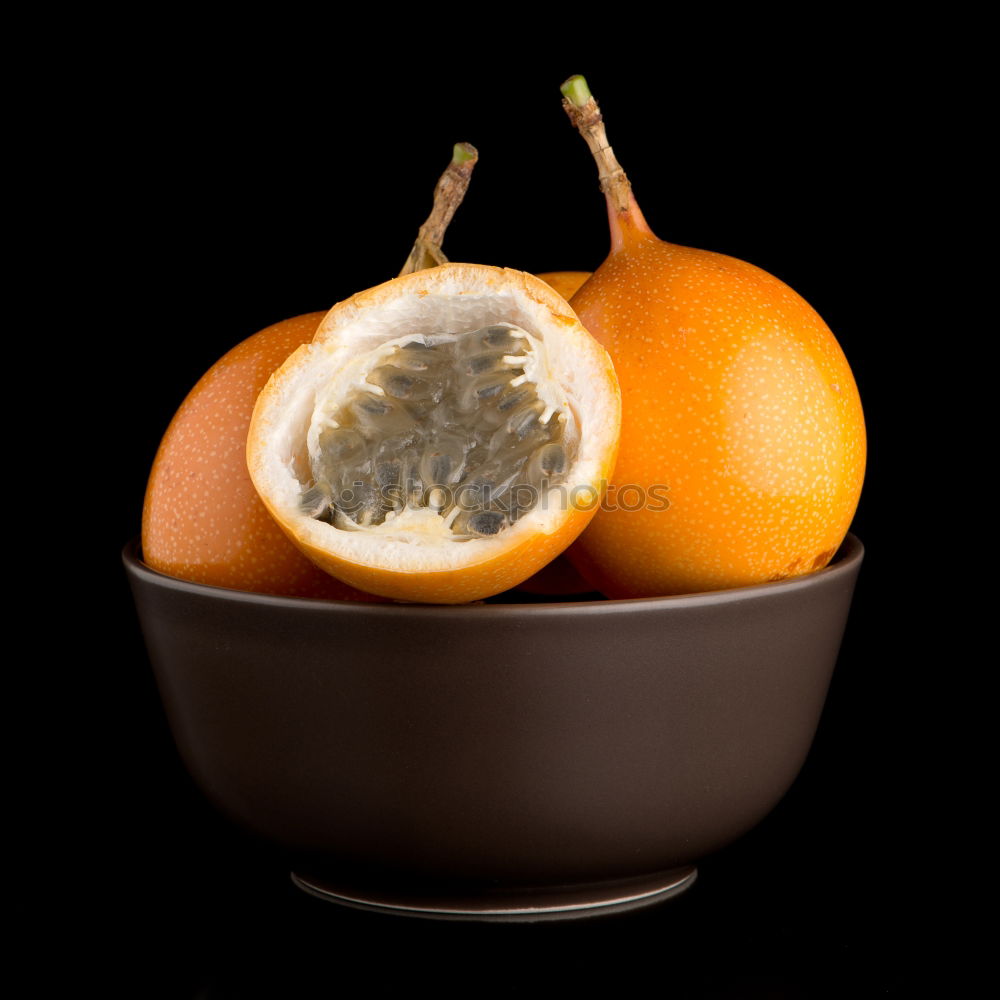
[(566, 283), (443, 437), (742, 451), (202, 519)]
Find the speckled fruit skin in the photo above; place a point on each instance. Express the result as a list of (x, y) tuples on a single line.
[(737, 398), (202, 519)]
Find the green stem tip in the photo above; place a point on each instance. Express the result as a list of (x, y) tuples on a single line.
[(576, 91), (463, 152)]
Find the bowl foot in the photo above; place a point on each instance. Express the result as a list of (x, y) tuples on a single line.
[(528, 905)]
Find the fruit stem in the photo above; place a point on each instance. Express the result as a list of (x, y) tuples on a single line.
[(448, 195), (623, 212)]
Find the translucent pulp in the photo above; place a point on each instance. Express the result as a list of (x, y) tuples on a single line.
[(456, 433)]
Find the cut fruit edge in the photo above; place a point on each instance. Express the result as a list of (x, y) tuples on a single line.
[(419, 565)]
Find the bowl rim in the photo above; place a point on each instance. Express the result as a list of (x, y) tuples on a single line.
[(844, 563)]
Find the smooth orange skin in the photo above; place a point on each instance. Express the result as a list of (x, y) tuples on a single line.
[(738, 399), (566, 283), (202, 519)]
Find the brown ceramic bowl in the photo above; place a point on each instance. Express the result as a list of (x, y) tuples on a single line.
[(501, 760)]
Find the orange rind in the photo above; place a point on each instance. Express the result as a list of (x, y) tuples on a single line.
[(345, 408), (742, 452), (202, 519)]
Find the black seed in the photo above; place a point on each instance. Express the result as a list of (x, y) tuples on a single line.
[(340, 443), (524, 421), (501, 337), (373, 406), (400, 386), (489, 522), (515, 399), (552, 459), (478, 364)]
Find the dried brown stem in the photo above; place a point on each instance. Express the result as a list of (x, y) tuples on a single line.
[(587, 120), (448, 195)]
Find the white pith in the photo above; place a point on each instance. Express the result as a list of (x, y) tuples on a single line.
[(569, 369)]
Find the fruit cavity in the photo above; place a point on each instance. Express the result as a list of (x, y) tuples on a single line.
[(443, 437), (466, 425)]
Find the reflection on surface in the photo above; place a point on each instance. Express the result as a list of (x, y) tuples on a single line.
[(744, 930)]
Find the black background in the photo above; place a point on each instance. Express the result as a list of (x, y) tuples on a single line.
[(243, 186)]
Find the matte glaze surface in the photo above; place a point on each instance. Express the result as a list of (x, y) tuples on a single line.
[(496, 746)]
